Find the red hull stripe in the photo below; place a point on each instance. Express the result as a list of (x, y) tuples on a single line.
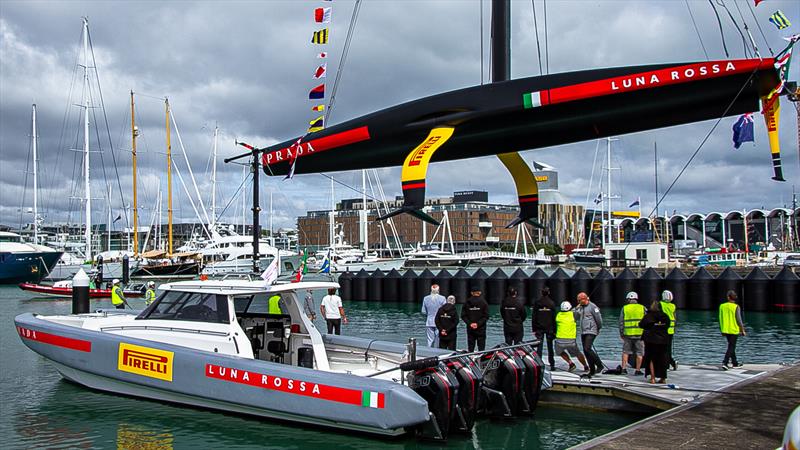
[(289, 385), (653, 79), (52, 339), (528, 199), (316, 145), (413, 186)]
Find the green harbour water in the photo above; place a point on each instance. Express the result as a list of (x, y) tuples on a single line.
[(38, 409)]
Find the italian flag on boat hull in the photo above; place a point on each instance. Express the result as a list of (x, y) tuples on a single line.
[(371, 399)]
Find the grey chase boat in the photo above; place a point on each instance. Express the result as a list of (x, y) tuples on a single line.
[(213, 344)]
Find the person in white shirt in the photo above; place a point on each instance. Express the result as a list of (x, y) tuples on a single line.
[(333, 312)]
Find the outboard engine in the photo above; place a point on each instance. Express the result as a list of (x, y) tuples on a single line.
[(534, 374), (502, 384), (470, 380), (439, 387)]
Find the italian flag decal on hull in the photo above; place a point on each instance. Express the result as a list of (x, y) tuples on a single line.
[(371, 399)]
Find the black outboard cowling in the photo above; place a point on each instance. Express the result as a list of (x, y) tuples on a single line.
[(502, 384), (439, 387), (534, 375), (470, 381)]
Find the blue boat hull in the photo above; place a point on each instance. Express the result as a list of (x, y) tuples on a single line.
[(18, 268)]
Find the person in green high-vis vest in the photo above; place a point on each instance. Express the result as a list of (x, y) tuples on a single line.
[(275, 304), (630, 333), (567, 335), (669, 309), (731, 326)]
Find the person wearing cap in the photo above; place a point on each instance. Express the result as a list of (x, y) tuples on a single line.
[(590, 322), (430, 306), (117, 296), (150, 293), (475, 313), (731, 326), (543, 324), (630, 333), (514, 314), (447, 324), (669, 309), (566, 331)]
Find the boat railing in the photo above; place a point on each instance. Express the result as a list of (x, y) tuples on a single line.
[(159, 328)]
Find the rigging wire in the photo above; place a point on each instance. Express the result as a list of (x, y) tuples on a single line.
[(736, 26), (761, 30), (480, 7), (343, 59), (697, 30), (536, 30), (546, 44), (747, 29), (722, 34)]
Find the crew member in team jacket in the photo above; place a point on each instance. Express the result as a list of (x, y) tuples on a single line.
[(514, 314), (543, 324), (590, 322), (447, 324), (475, 313)]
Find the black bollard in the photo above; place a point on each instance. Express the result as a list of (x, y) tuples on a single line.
[(728, 280), (443, 280), (536, 282), (675, 282), (496, 286), (602, 293), (360, 285), (407, 294), (700, 289), (423, 284), (126, 269), (517, 281), (459, 286), (580, 282), (478, 279), (80, 293), (648, 286), (624, 282), (391, 286), (346, 286), (375, 286), (786, 289), (756, 293), (558, 284)]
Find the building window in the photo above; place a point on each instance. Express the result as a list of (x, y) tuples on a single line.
[(641, 253)]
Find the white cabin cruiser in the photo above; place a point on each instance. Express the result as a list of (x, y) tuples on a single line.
[(215, 344)]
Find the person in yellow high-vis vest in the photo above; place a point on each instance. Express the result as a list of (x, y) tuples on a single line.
[(630, 333), (567, 335), (669, 309), (731, 326), (117, 296), (150, 293), (275, 304)]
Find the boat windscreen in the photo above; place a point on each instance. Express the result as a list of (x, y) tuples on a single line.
[(192, 306)]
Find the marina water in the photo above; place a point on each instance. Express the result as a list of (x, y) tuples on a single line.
[(39, 409)]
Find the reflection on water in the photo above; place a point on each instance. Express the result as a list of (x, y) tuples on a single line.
[(39, 409)]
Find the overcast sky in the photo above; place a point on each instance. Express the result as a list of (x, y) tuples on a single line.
[(247, 67)]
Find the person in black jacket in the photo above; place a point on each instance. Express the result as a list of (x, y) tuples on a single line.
[(447, 324), (514, 314), (475, 313), (656, 340), (543, 324)]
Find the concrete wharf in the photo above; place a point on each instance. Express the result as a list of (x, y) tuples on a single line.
[(740, 408)]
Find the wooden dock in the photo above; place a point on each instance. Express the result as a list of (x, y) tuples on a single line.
[(750, 413)]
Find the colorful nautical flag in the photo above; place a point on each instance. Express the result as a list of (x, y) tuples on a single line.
[(322, 55), (635, 203), (743, 130), (326, 263), (778, 18), (321, 36), (782, 62), (273, 270), (322, 15), (757, 2), (318, 108), (316, 124), (302, 270), (317, 92), (320, 72), (599, 199)]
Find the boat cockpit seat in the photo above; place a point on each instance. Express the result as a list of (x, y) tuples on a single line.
[(278, 349)]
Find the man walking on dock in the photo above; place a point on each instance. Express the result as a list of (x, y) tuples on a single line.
[(475, 313), (543, 324), (630, 333), (447, 324), (591, 322), (668, 308), (430, 306), (731, 326)]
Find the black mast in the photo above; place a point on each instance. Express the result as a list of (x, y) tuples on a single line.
[(256, 209), (501, 40)]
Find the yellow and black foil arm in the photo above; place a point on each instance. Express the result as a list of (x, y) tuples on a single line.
[(772, 115), (527, 189)]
